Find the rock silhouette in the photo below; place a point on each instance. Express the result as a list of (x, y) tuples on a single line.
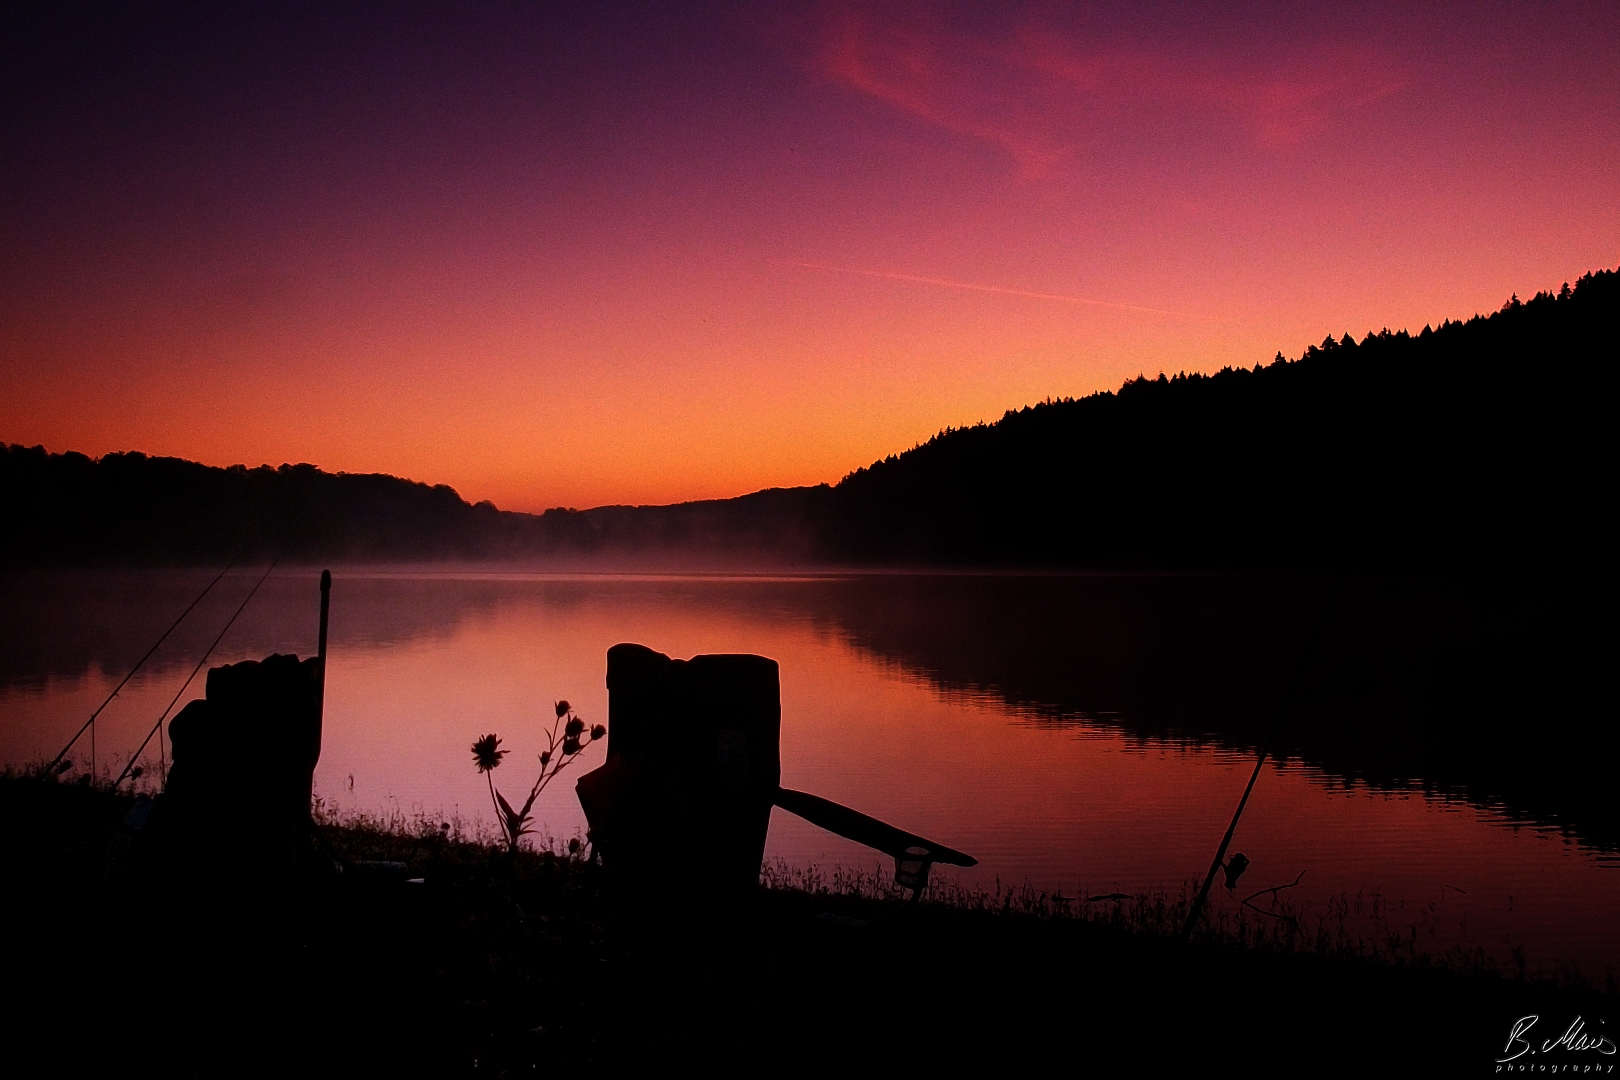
[(693, 768), (237, 799)]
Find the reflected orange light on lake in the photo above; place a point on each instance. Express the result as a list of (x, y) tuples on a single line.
[(424, 664)]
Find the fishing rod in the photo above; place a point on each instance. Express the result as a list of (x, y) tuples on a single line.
[(1265, 750), (158, 726), (57, 760)]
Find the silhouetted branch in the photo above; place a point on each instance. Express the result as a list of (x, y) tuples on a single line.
[(1273, 890)]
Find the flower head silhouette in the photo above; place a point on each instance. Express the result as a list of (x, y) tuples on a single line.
[(567, 737), (487, 754)]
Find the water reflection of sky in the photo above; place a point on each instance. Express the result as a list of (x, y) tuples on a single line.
[(422, 665)]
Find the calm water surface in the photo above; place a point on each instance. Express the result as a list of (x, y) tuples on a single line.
[(423, 663)]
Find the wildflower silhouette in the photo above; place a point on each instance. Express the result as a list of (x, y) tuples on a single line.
[(485, 754), (567, 737)]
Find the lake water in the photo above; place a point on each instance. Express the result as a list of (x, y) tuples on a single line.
[(1097, 746)]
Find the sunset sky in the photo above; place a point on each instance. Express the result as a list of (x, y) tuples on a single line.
[(563, 255)]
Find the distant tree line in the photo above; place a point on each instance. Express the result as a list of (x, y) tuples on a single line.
[(1475, 442), (1478, 441), (69, 509)]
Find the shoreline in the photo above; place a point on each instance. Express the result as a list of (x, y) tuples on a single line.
[(490, 959)]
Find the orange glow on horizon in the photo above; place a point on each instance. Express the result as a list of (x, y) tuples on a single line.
[(560, 260)]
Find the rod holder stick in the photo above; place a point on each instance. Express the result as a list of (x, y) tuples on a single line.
[(326, 605), (864, 829)]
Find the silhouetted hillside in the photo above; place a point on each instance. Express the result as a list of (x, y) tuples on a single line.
[(68, 509), (1478, 440), (774, 525), (130, 507)]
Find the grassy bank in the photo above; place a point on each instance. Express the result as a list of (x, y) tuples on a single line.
[(492, 965)]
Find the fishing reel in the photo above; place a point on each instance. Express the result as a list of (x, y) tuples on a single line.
[(1234, 868)]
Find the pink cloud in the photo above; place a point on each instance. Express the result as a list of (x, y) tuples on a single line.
[(941, 80), (1041, 94)]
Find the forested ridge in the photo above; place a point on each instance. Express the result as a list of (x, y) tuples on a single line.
[(1483, 439), (1476, 441)]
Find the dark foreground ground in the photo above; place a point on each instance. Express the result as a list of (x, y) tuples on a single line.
[(501, 967)]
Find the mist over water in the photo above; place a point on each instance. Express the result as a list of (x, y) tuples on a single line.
[(1084, 734)]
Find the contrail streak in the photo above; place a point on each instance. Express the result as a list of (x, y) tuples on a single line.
[(947, 283)]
